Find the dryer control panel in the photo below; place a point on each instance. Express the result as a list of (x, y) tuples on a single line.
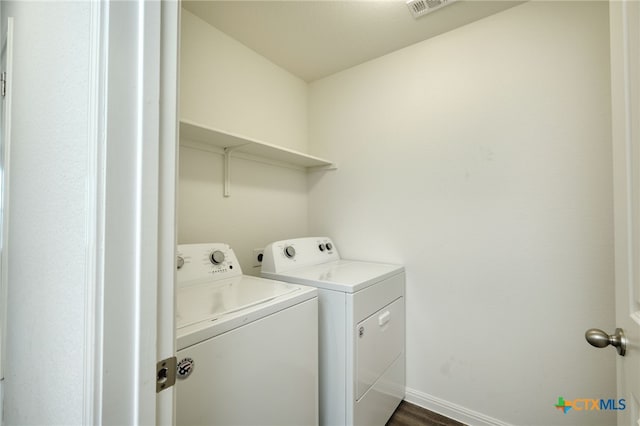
[(291, 254), (211, 261)]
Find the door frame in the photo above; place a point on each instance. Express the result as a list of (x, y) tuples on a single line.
[(132, 134), (625, 99), (7, 49), (168, 202)]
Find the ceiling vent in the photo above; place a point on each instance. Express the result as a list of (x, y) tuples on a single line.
[(422, 7)]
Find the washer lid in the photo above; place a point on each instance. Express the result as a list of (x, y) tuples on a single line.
[(207, 300), (207, 308), (348, 276)]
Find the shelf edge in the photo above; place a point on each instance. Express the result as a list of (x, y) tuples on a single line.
[(195, 132)]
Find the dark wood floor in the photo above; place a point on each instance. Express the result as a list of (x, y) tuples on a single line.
[(411, 415)]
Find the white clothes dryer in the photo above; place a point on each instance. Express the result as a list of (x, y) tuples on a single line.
[(247, 346), (361, 326)]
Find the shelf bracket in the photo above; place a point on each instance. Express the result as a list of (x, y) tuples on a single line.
[(226, 191), (227, 172)]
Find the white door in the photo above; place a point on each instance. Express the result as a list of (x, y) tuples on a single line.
[(625, 78)]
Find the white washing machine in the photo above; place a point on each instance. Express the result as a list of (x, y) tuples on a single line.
[(362, 328), (247, 346)]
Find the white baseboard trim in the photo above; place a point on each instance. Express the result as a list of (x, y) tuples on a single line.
[(451, 410)]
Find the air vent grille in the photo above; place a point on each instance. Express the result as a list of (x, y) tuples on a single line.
[(422, 7)]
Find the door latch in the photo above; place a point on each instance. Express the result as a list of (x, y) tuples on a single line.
[(165, 373)]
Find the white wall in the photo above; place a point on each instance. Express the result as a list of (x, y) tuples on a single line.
[(267, 204), (225, 85), (47, 238), (228, 86), (481, 159)]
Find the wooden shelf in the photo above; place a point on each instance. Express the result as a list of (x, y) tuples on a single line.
[(235, 143)]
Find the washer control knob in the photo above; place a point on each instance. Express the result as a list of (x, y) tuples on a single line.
[(180, 262), (321, 247), (289, 251), (217, 257), (329, 246)]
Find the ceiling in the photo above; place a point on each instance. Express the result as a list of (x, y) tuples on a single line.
[(314, 39)]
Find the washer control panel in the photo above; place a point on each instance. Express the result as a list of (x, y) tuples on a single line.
[(211, 261), (291, 254)]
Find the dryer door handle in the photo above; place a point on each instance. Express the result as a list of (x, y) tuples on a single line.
[(384, 318)]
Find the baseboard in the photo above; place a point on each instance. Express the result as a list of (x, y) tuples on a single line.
[(451, 410)]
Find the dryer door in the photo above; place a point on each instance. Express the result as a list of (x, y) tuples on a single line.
[(379, 342)]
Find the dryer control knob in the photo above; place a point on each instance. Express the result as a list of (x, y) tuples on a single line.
[(289, 251), (217, 257), (321, 247), (329, 246)]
